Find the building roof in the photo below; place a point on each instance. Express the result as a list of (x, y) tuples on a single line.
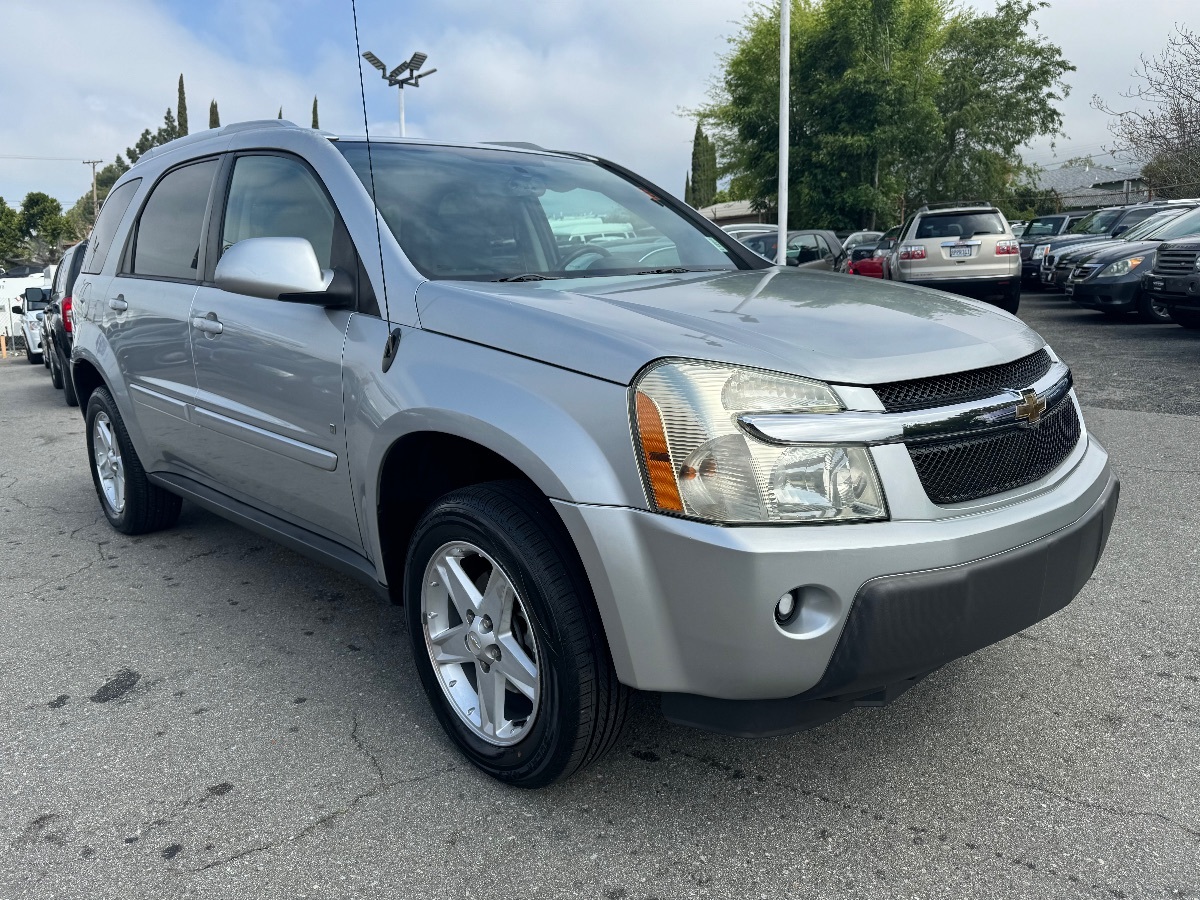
[(1073, 179)]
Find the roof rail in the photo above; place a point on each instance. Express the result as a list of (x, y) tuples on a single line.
[(519, 145), (213, 132)]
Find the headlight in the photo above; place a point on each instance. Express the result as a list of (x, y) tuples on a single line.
[(1039, 251), (1120, 267), (697, 461)]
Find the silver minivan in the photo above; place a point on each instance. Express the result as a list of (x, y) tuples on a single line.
[(766, 495)]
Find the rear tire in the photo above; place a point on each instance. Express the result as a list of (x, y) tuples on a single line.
[(505, 532), (56, 374), (64, 369), (1011, 300), (131, 503), (1188, 318)]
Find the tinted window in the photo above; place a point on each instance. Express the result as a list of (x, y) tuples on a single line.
[(111, 214), (168, 233), (1188, 223), (273, 196), (959, 225), (1137, 215), (1040, 227), (1099, 222)]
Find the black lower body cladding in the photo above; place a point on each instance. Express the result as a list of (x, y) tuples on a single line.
[(902, 627)]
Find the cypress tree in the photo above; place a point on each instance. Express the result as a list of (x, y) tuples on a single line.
[(704, 169), (181, 109), (280, 116), (214, 117), (316, 121)]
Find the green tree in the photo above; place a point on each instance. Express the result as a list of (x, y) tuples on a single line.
[(704, 169), (893, 103), (40, 226), (181, 109), (316, 121), (10, 232), (168, 132), (214, 116), (280, 116)]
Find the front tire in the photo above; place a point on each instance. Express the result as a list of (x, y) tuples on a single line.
[(131, 503), (1151, 311), (1188, 318), (506, 637)]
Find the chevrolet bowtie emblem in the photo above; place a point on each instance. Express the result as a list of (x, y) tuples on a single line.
[(1031, 407)]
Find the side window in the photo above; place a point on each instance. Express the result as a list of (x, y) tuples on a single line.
[(167, 243), (824, 248), (274, 196), (111, 213)]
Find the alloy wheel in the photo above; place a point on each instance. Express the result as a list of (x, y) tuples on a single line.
[(109, 465)]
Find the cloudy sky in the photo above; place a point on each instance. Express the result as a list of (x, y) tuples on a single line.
[(609, 77)]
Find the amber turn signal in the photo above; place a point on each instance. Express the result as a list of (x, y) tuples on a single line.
[(655, 455)]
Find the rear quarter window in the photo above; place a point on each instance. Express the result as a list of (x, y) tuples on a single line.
[(111, 214)]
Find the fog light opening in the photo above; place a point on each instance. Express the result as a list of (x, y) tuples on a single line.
[(785, 609)]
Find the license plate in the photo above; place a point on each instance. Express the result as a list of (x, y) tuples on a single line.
[(956, 252), (1157, 284)]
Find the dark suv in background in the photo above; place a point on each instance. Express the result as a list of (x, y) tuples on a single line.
[(59, 324), (1175, 280), (1036, 234)]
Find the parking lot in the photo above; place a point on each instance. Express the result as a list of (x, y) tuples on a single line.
[(201, 713)]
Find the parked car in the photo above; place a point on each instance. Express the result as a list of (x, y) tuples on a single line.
[(59, 321), (770, 495), (810, 249), (868, 261), (1104, 224), (746, 229), (1034, 238), (1109, 278), (29, 319), (861, 238), (1174, 282), (962, 249), (1069, 258)]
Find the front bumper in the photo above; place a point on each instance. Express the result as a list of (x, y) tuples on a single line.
[(688, 608), (1116, 294), (1174, 290)]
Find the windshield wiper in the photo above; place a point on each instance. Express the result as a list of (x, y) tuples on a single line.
[(674, 270), (528, 276)]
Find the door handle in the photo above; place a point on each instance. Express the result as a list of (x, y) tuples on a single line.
[(118, 303), (208, 326)]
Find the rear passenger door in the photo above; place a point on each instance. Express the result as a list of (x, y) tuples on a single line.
[(269, 372), (144, 311)]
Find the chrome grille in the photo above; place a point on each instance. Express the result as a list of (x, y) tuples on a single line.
[(962, 387), (955, 470)]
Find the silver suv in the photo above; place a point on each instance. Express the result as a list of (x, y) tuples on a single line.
[(964, 249), (656, 463)]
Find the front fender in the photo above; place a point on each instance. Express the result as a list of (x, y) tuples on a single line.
[(567, 432)]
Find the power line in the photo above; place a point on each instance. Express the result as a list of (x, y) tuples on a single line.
[(44, 158)]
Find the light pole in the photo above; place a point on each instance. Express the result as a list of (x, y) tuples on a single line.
[(95, 206), (394, 79), (785, 60)]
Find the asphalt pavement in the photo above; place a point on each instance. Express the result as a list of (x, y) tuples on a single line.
[(201, 713)]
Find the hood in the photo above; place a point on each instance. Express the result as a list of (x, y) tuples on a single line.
[(1119, 250), (1068, 239), (822, 325)]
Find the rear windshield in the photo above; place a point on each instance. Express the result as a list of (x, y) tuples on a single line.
[(960, 225), (1188, 223)]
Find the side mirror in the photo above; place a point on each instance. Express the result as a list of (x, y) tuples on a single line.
[(17, 311), (281, 268), (1121, 229), (35, 295)]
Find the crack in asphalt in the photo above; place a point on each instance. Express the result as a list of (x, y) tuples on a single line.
[(1091, 804), (381, 788)]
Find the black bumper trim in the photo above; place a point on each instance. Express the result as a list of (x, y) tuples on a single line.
[(902, 627)]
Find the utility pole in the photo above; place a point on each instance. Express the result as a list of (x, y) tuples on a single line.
[(95, 206), (394, 79), (785, 88)]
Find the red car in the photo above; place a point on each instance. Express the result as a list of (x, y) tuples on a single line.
[(869, 260)]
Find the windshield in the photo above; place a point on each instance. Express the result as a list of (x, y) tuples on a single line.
[(1099, 222), (1188, 223), (1041, 227), (1152, 224), (488, 215)]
